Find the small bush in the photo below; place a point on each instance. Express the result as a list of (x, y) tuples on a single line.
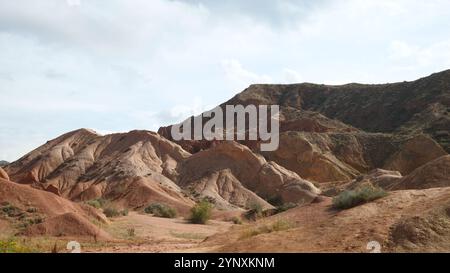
[(12, 246), (275, 200), (32, 210), (361, 195), (161, 210), (131, 232), (111, 212), (124, 212), (236, 220), (36, 220), (201, 212), (12, 211), (257, 208), (285, 207), (255, 211), (97, 203)]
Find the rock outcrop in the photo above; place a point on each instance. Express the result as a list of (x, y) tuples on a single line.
[(231, 173), (140, 167), (3, 174), (336, 133), (434, 174)]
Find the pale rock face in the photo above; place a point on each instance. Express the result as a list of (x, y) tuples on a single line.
[(377, 177), (3, 174), (311, 160), (234, 172), (141, 167), (434, 174), (414, 153), (82, 165)]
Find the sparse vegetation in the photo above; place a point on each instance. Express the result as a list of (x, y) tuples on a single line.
[(189, 236), (255, 211), (131, 232), (32, 210), (351, 198), (201, 213), (279, 225), (97, 203), (11, 211), (111, 212), (161, 210), (236, 220), (285, 207), (13, 246), (275, 200)]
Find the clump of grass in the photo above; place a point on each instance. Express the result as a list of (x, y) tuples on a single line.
[(279, 225), (190, 236), (10, 210), (131, 232), (363, 194), (12, 246), (201, 213), (161, 210), (236, 220), (285, 207), (97, 203), (255, 211), (32, 210), (111, 212)]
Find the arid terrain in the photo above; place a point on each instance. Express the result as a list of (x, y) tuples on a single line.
[(337, 143)]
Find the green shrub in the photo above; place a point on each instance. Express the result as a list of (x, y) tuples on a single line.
[(257, 208), (201, 212), (97, 203), (363, 194), (32, 210), (285, 207), (124, 212), (111, 212), (161, 210), (275, 200), (12, 246), (12, 211), (255, 211)]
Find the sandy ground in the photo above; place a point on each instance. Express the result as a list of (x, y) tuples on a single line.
[(319, 228), (154, 234)]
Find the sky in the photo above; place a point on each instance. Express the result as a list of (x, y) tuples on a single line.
[(119, 65)]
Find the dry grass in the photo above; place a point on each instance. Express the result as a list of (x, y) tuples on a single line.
[(278, 225)]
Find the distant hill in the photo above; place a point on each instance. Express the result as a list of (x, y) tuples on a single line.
[(3, 163)]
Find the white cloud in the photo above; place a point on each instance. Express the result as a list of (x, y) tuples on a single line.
[(73, 2), (291, 76), (240, 76), (122, 65), (411, 57)]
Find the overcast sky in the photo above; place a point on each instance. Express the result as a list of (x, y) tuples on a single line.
[(119, 65)]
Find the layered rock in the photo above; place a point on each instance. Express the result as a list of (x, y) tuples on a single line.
[(140, 167), (83, 165), (414, 153), (57, 216), (434, 174), (231, 173), (336, 133), (3, 174)]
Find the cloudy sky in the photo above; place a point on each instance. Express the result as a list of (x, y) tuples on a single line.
[(119, 65)]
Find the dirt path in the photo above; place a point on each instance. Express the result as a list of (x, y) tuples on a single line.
[(154, 234)]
